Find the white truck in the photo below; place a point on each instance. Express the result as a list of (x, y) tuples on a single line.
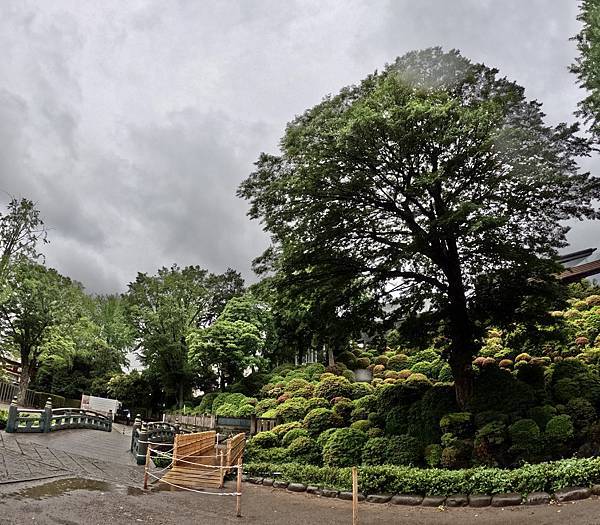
[(103, 405)]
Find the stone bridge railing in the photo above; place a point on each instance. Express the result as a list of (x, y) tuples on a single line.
[(49, 419), (156, 432)]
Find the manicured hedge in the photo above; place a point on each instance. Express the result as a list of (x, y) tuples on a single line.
[(548, 477)]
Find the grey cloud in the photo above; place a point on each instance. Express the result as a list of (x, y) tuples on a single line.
[(132, 124)]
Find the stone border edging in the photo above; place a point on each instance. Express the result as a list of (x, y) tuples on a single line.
[(456, 500)]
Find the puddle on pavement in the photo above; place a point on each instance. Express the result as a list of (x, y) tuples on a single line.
[(64, 486)]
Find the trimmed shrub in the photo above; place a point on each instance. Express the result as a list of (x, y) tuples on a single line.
[(344, 448), (293, 409), (541, 415), (362, 424), (264, 405), (360, 389), (320, 419), (293, 434), (343, 409), (349, 375), (362, 362), (245, 411), (271, 455), (317, 402), (491, 444), (582, 413), (280, 430), (300, 388), (333, 386), (375, 451), (266, 439), (560, 429), (445, 374), (397, 362), (374, 432), (458, 423), (227, 410), (305, 450), (324, 436), (547, 477), (525, 439), (433, 455)]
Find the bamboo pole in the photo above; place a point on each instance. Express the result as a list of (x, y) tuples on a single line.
[(354, 496), (238, 498), (146, 466)]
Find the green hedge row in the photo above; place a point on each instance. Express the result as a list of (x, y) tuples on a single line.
[(547, 477)]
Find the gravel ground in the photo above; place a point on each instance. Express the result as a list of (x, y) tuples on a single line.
[(76, 501)]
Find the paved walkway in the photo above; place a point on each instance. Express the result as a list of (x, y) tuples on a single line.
[(82, 453)]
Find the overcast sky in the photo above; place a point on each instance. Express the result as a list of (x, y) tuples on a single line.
[(131, 123)]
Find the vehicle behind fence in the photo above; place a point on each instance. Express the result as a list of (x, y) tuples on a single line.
[(50, 420)]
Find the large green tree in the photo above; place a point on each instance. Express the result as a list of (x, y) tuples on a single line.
[(237, 343), (164, 308), (587, 65), (415, 183), (37, 301)]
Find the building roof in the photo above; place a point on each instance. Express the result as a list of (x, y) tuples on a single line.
[(576, 273)]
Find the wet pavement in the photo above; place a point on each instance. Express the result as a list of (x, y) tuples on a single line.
[(87, 477)]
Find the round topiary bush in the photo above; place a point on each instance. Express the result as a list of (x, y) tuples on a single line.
[(280, 430), (266, 439), (397, 362), (293, 409), (525, 439), (360, 389), (362, 362), (362, 424), (375, 451), (264, 405), (245, 411), (458, 423), (318, 402), (560, 429), (343, 409), (300, 388), (324, 437), (320, 419), (542, 414), (433, 455), (305, 450), (226, 410), (334, 386), (293, 434), (582, 412), (344, 448), (349, 375)]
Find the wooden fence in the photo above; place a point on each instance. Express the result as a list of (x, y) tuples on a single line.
[(34, 399), (229, 425)]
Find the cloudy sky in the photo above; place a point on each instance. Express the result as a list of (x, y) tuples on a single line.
[(131, 124)]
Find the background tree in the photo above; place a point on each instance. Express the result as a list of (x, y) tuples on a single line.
[(587, 65), (84, 355), (163, 309), (237, 343), (415, 183), (37, 300), (21, 228)]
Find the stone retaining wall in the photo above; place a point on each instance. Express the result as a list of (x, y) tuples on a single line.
[(455, 500)]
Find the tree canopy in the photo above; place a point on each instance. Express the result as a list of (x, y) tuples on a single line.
[(587, 65), (413, 185)]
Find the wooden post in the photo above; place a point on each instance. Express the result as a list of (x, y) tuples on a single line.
[(146, 467), (238, 498), (354, 496)]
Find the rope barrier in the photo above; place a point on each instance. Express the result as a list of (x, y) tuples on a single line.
[(194, 490)]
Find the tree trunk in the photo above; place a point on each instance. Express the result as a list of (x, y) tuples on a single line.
[(461, 331), (180, 395), (24, 383)]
